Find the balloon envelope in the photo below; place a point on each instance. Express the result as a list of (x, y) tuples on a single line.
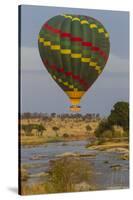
[(74, 49)]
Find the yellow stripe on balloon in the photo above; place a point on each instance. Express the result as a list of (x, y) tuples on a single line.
[(55, 47), (47, 43), (68, 16), (76, 55), (65, 51), (65, 83), (84, 22), (41, 40), (71, 86), (106, 35), (101, 30), (93, 64), (85, 60), (54, 77), (75, 19), (93, 26), (59, 80)]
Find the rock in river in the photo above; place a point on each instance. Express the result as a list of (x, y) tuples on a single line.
[(38, 157), (116, 167), (71, 154)]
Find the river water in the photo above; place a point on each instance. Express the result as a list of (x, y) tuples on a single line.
[(106, 175)]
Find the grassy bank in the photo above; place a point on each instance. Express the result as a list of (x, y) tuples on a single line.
[(35, 140), (43, 140), (119, 144)]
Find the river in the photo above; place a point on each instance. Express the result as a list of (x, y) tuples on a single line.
[(106, 176)]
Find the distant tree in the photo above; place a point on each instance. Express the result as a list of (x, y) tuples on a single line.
[(93, 115), (40, 129), (53, 114), (97, 116), (88, 128), (27, 129), (27, 115), (55, 128), (120, 115)]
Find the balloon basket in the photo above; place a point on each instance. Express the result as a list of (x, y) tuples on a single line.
[(75, 108)]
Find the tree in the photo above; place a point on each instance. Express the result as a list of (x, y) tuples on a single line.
[(88, 128), (53, 114), (55, 128), (40, 129), (97, 116), (120, 115), (27, 129)]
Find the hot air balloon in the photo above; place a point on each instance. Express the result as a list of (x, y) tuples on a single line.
[(74, 49)]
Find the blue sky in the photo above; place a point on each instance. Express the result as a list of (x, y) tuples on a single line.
[(39, 93)]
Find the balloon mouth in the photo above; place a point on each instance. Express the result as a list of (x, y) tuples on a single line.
[(75, 97), (75, 108)]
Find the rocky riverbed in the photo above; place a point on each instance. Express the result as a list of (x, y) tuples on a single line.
[(110, 165)]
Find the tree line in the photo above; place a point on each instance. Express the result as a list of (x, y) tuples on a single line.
[(29, 115)]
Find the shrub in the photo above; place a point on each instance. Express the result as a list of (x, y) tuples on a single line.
[(125, 134), (88, 128), (117, 134), (55, 128), (103, 126), (66, 172), (65, 135), (107, 134)]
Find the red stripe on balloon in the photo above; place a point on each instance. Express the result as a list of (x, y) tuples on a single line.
[(76, 39), (65, 35), (87, 44), (61, 70), (50, 28)]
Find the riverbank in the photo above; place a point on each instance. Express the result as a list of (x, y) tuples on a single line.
[(43, 140), (111, 145)]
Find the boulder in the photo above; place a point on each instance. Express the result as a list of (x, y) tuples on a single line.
[(116, 167)]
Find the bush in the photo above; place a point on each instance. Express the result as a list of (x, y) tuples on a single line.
[(88, 128), (103, 126), (126, 134), (107, 134), (117, 134), (65, 135), (66, 172)]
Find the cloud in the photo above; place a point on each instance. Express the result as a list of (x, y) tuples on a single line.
[(117, 65), (30, 59)]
